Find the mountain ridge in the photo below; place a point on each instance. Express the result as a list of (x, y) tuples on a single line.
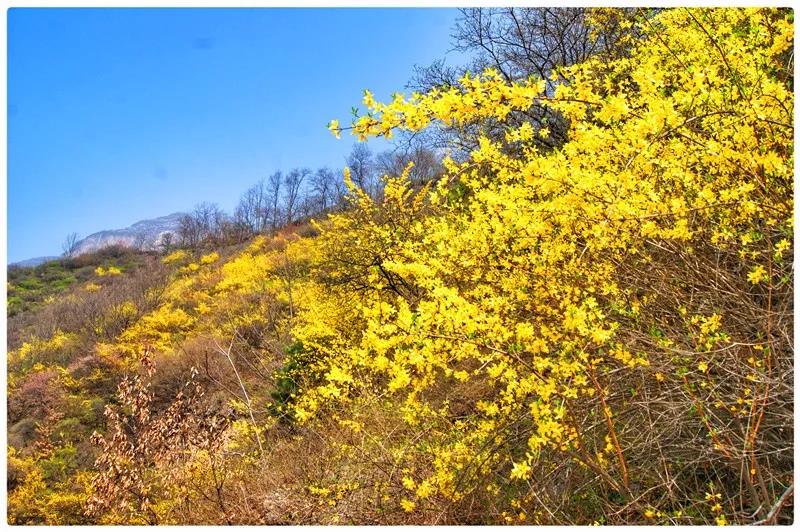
[(144, 234)]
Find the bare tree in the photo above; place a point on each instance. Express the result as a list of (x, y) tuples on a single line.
[(275, 182), (253, 210), (139, 242), (201, 225), (234, 231), (524, 41), (437, 74), (70, 245), (339, 194), (220, 226), (207, 223), (205, 214), (362, 168), (427, 163), (520, 42), (293, 182), (166, 242), (189, 234), (323, 184)]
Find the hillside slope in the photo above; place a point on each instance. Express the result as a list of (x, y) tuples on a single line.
[(598, 333)]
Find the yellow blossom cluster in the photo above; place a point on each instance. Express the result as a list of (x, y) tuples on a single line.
[(685, 141)]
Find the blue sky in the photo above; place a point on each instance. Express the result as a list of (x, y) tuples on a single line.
[(117, 115)]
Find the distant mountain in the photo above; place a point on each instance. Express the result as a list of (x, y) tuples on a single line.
[(145, 234), (31, 263)]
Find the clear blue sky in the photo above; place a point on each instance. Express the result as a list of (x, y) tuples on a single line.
[(118, 115)]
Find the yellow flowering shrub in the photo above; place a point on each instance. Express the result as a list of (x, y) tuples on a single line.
[(159, 330), (110, 271), (595, 330), (42, 352), (526, 272), (210, 258), (176, 256)]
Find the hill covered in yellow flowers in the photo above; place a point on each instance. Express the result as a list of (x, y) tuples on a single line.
[(593, 330)]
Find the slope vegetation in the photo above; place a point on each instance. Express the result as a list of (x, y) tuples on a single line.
[(595, 333)]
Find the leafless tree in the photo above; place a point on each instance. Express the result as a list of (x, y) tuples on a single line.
[(70, 245), (221, 226), (520, 42), (427, 163), (205, 216), (166, 242), (294, 182), (234, 231), (188, 231), (203, 224), (253, 210), (437, 74), (323, 184), (209, 220), (339, 193), (362, 168), (139, 242), (275, 182)]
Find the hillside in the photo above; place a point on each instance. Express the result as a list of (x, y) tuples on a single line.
[(31, 286), (587, 318)]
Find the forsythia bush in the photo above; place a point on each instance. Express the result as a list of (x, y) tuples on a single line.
[(597, 330), (548, 316)]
